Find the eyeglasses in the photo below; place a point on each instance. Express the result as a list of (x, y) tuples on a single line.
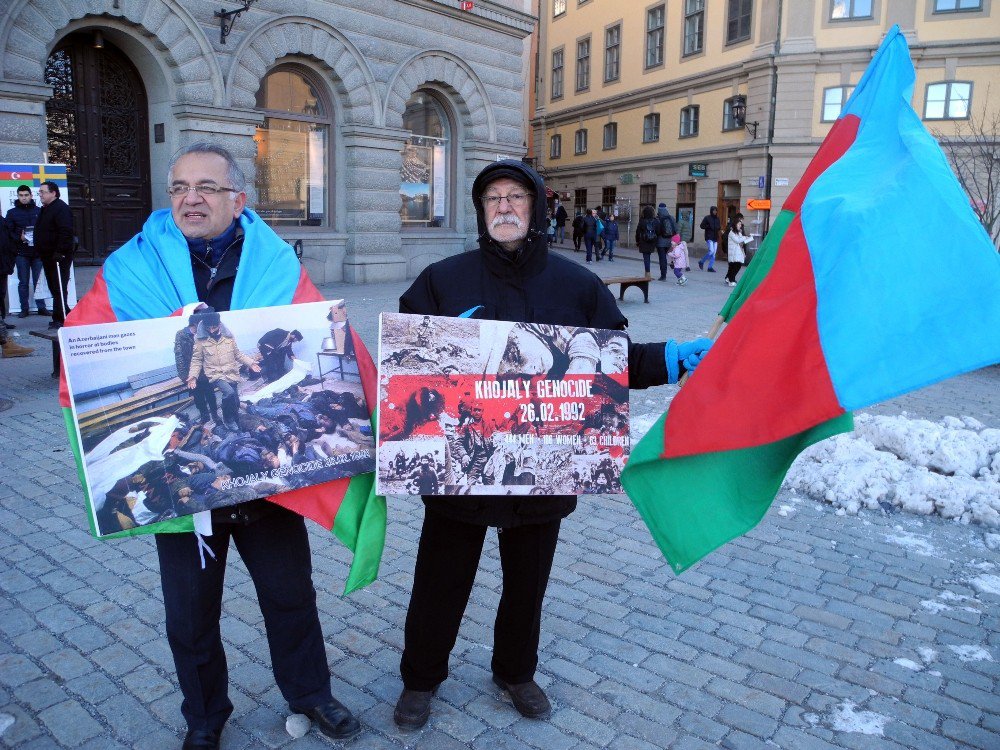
[(176, 191), (513, 199)]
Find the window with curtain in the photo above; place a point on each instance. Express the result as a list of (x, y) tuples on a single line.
[(583, 64), (654, 35), (694, 26), (557, 73), (833, 102), (555, 147), (293, 149), (845, 10), (612, 53), (610, 136), (651, 127), (558, 7), (425, 176), (689, 121), (580, 141)]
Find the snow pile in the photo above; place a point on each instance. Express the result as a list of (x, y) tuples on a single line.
[(951, 468)]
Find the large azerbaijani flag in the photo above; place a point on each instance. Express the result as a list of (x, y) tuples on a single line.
[(148, 278), (835, 313)]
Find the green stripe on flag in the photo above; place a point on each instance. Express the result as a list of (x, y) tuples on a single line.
[(695, 504)]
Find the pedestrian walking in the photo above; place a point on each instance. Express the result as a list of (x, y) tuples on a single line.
[(736, 250), (667, 229), (561, 217), (647, 232), (611, 233), (54, 239), (712, 226), (679, 256), (577, 230), (590, 232)]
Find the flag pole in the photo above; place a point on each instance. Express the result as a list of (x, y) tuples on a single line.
[(712, 333)]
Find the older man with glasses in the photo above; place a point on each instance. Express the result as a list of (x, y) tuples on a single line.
[(512, 276), (209, 247)]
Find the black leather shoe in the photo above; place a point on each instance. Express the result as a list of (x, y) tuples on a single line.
[(529, 699), (413, 709), (202, 739), (333, 719), (22, 314)]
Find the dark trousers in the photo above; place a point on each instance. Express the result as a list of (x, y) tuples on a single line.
[(577, 239), (447, 560), (661, 253), (204, 398), (734, 268), (275, 550), (57, 277), (28, 271)]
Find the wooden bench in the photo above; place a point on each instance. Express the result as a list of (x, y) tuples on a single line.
[(624, 282), (52, 336)]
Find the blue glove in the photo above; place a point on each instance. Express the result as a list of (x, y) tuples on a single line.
[(689, 354)]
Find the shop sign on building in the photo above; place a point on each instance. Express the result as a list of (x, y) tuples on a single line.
[(697, 169)]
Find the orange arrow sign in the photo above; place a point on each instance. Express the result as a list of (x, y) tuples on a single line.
[(759, 204)]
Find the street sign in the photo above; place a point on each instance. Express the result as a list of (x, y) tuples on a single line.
[(697, 169), (761, 181), (465, 5), (759, 204)]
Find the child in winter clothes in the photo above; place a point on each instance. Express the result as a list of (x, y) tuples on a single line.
[(679, 255)]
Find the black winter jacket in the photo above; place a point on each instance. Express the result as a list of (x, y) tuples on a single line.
[(531, 286), (18, 219), (54, 231)]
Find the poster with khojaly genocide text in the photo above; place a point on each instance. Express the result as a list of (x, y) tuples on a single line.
[(495, 408), (199, 411)]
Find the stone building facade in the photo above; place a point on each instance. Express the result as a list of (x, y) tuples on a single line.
[(330, 91)]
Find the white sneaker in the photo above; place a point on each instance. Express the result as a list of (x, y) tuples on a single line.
[(682, 281)]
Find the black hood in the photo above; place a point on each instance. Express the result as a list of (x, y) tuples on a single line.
[(535, 248)]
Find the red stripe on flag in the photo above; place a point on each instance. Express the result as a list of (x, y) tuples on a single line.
[(766, 377), (835, 145), (306, 291), (93, 307)]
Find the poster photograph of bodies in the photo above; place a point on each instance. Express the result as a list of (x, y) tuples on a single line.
[(492, 407), (203, 410)]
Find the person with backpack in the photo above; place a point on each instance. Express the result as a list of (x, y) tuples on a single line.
[(667, 229), (590, 232), (647, 231), (712, 226)]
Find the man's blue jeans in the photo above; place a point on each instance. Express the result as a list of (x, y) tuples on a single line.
[(561, 234), (28, 267)]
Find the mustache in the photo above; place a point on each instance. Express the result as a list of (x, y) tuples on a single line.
[(506, 219)]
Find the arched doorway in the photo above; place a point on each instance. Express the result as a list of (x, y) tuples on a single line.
[(97, 125)]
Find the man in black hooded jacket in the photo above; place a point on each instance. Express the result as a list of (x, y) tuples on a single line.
[(511, 277)]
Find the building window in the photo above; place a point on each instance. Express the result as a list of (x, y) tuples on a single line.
[(957, 6), (583, 64), (557, 74), (849, 10), (580, 141), (612, 53), (689, 121), (647, 196), (293, 149), (654, 36), (558, 7), (738, 17), (608, 195), (610, 136), (424, 184), (651, 127), (580, 199), (833, 102), (729, 121), (694, 26), (948, 101), (555, 147)]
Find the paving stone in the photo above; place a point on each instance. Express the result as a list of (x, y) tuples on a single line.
[(69, 723)]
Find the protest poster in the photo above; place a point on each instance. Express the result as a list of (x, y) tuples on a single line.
[(194, 412), (498, 408), (12, 176)]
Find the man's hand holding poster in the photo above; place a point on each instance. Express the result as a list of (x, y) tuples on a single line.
[(490, 407), (200, 411)]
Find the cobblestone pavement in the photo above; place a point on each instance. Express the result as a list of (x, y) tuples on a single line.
[(813, 631)]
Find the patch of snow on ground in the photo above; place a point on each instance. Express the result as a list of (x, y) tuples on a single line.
[(6, 722), (909, 664), (933, 606), (846, 719), (971, 653), (950, 468), (927, 654), (639, 424), (986, 584), (918, 544), (786, 510)]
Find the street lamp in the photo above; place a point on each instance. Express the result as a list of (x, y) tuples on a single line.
[(740, 115)]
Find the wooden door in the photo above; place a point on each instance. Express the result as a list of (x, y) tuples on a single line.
[(97, 125)]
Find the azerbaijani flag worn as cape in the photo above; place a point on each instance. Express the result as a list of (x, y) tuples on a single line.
[(831, 316), (150, 277)]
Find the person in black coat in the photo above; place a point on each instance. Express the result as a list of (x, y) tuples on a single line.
[(577, 230), (712, 227), (54, 240), (21, 221), (511, 277), (561, 217)]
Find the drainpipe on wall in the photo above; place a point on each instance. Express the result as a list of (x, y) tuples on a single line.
[(769, 160)]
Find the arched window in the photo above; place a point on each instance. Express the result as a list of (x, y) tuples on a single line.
[(425, 177), (293, 149)]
